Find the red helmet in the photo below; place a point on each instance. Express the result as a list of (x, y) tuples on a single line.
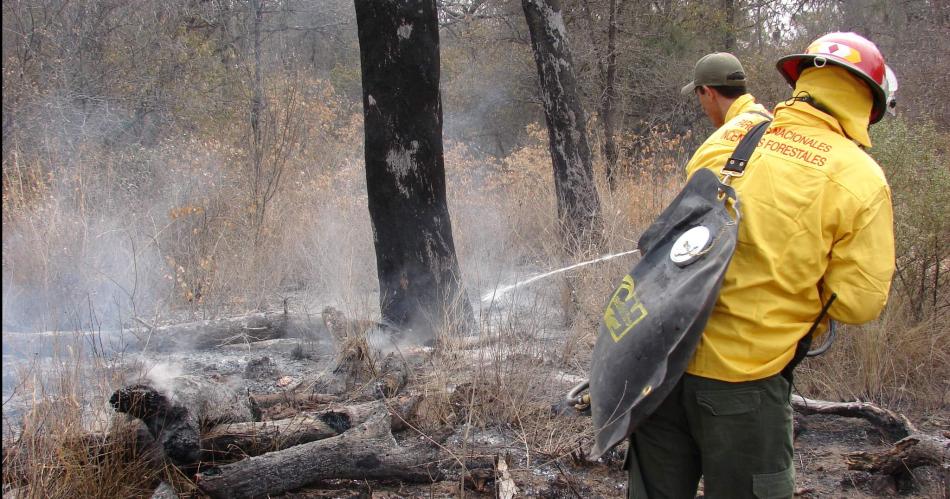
[(850, 51)]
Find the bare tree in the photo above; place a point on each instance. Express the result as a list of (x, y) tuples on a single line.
[(609, 94), (578, 204), (419, 281)]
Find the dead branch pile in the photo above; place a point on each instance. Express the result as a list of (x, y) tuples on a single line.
[(341, 441), (200, 423)]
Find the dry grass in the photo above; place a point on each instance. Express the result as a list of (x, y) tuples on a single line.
[(69, 443), (893, 361)]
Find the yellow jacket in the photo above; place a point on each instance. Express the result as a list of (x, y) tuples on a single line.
[(816, 219)]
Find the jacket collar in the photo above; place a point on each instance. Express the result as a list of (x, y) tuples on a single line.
[(739, 106), (803, 113)]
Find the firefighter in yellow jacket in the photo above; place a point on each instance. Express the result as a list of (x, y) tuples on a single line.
[(816, 221), (719, 83)]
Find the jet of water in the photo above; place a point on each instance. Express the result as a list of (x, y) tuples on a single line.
[(498, 292)]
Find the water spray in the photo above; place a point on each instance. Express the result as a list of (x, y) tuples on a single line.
[(498, 292)]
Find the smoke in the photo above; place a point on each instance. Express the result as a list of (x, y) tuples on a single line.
[(84, 246), (162, 375), (131, 219)]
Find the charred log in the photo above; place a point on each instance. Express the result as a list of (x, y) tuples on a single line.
[(293, 399), (176, 421), (199, 335), (907, 454), (366, 452), (238, 440), (232, 330), (894, 426), (402, 410), (170, 424)]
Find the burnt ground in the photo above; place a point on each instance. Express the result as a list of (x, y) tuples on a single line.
[(821, 446), (555, 471), (821, 471)]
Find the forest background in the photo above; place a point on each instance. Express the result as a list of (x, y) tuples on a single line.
[(198, 159)]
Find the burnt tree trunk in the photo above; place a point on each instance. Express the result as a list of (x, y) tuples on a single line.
[(578, 204), (419, 280), (607, 69), (609, 98)]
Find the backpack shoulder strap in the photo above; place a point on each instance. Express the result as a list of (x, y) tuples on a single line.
[(735, 167)]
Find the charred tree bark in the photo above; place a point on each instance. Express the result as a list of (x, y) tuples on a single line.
[(907, 454), (578, 204), (366, 452), (419, 282), (169, 423), (609, 99), (237, 440), (176, 422)]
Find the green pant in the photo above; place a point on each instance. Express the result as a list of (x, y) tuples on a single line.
[(737, 436)]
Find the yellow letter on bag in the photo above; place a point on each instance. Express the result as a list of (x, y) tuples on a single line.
[(624, 311)]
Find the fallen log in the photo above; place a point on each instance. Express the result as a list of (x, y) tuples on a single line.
[(175, 420), (292, 398), (200, 335), (238, 440), (907, 454), (894, 426), (401, 409), (366, 452), (170, 424)]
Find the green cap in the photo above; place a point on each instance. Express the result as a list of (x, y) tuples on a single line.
[(720, 69)]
